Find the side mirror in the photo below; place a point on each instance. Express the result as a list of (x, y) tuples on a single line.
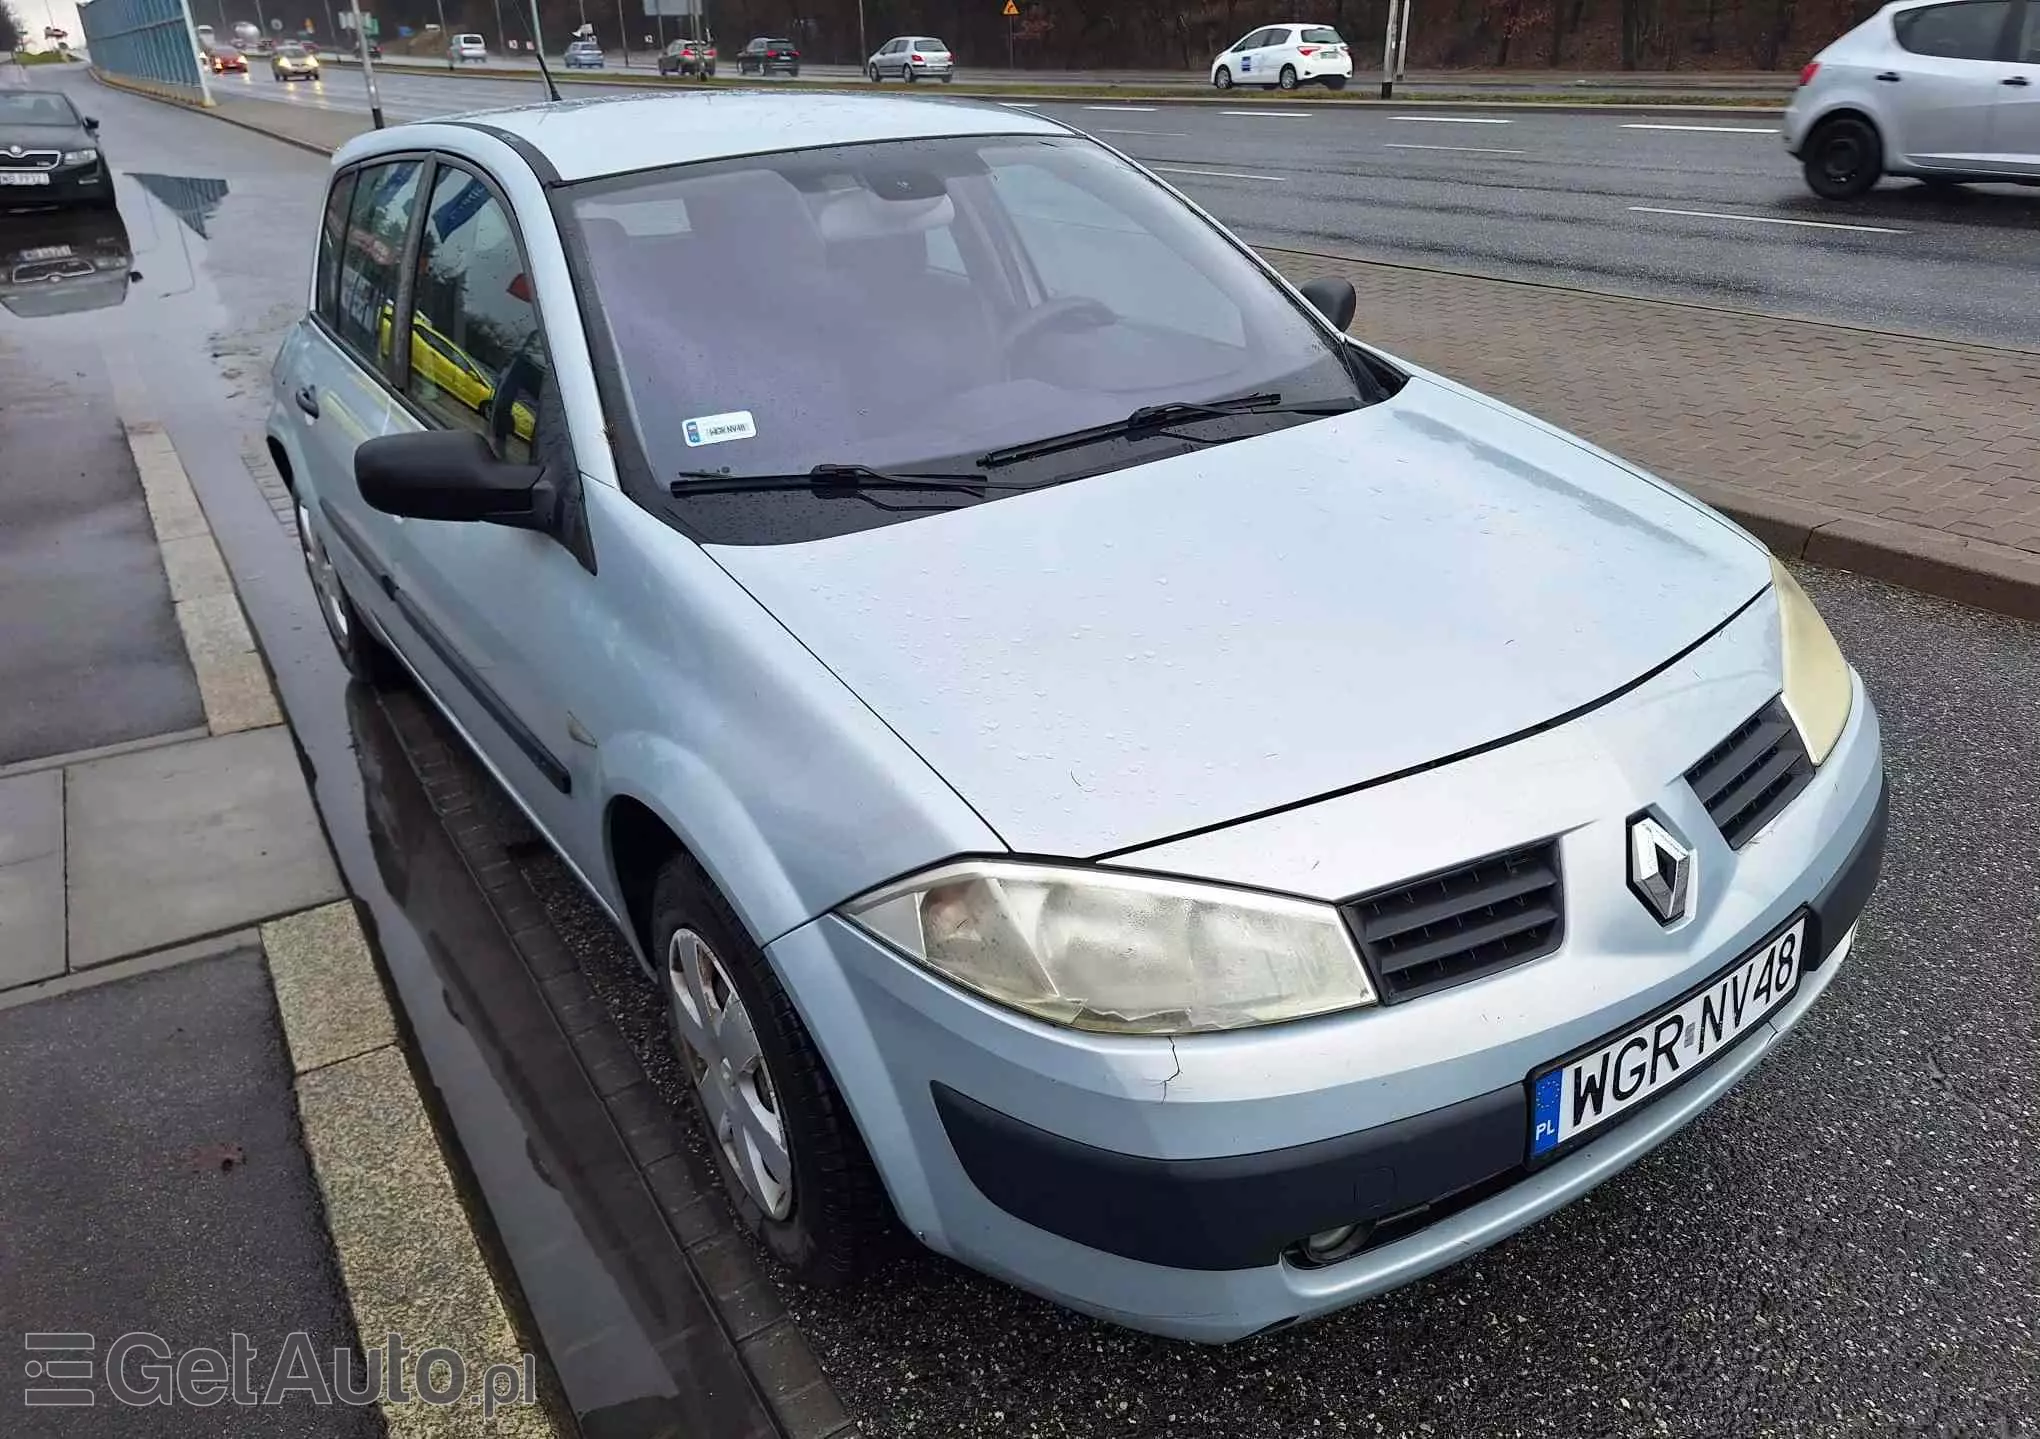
[(450, 475), (1334, 299), (91, 124)]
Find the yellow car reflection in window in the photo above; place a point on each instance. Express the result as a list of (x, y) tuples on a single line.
[(452, 371)]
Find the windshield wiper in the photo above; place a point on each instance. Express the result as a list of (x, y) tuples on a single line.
[(1160, 417), (829, 479)]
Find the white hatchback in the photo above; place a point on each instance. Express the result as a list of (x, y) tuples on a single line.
[(1286, 56), (1940, 90), (468, 48)]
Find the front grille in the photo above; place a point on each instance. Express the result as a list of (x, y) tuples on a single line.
[(1746, 779), (31, 160), (1461, 923)]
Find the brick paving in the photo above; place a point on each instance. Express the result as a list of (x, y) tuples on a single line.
[(1922, 432)]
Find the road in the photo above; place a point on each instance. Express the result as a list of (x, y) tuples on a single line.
[(1844, 1246), (1702, 208)]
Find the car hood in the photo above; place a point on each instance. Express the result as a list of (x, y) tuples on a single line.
[(1108, 663), (45, 137)]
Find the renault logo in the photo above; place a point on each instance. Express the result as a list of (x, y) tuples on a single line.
[(1660, 869)]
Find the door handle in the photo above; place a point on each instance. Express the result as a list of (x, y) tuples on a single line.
[(308, 400), (2015, 80), (1892, 75)]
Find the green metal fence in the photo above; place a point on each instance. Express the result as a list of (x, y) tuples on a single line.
[(148, 42)]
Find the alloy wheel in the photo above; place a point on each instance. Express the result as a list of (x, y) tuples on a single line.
[(718, 1043), (325, 582)]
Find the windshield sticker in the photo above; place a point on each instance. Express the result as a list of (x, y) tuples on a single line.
[(714, 429)]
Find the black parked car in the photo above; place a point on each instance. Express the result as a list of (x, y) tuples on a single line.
[(49, 153), (764, 55), (688, 57)]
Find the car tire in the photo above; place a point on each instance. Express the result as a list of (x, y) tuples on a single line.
[(872, 71), (1287, 79), (1223, 78), (948, 79), (794, 73), (367, 658), (1844, 158), (907, 74), (1335, 82), (832, 1220)]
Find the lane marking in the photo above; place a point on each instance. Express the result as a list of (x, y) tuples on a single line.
[(1226, 174), (1123, 109), (1455, 119), (1270, 114), (1159, 134), (1708, 129), (1455, 149), (1770, 220)]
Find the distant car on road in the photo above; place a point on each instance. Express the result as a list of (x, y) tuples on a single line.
[(912, 57), (1942, 92), (49, 153), (583, 55), (1285, 56), (688, 57), (223, 58), (293, 61), (765, 55), (466, 48)]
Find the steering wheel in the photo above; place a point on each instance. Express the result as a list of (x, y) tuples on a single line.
[(1071, 312)]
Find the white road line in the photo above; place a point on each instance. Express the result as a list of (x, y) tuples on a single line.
[(1709, 129), (1455, 149), (1158, 134), (1123, 109), (1455, 119), (1021, 104), (1770, 220), (1270, 114), (1226, 174)]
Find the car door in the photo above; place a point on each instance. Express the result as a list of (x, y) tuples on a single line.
[(1279, 50), (896, 56), (492, 606), (1949, 75), (2015, 121), (1250, 67), (341, 364)]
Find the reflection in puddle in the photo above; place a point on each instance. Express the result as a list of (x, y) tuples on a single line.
[(193, 197), (64, 262)]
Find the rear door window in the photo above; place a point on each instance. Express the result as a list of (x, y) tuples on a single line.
[(332, 235), (372, 258), (1967, 30)]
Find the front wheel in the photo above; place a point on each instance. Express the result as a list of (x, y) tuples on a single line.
[(1222, 79), (790, 1156), (1844, 159), (1287, 79), (876, 78), (908, 75)]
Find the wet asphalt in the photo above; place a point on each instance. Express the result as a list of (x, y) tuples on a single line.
[(1845, 1245)]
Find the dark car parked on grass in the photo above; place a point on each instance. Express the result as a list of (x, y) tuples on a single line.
[(688, 57), (765, 55), (49, 153)]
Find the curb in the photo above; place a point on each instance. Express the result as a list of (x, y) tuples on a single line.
[(1951, 567), (1687, 103)]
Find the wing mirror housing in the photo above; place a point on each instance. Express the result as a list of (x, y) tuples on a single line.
[(451, 475), (1334, 300), (92, 124)]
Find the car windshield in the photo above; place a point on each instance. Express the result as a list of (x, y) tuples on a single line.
[(291, 50), (1319, 35), (927, 43), (27, 108), (919, 304)]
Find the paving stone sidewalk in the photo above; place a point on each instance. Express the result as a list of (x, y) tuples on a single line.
[(1922, 432)]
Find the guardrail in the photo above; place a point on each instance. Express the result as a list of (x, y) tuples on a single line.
[(146, 43)]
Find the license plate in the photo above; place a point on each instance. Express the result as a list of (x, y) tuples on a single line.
[(1619, 1074), (17, 177), (44, 252)]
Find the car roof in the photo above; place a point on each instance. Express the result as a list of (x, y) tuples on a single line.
[(615, 134)]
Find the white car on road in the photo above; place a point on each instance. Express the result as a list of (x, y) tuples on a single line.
[(468, 47), (1943, 92), (1286, 56)]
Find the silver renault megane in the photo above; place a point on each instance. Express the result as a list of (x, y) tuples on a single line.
[(1170, 805)]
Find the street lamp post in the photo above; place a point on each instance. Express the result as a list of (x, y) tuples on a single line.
[(367, 65), (863, 45)]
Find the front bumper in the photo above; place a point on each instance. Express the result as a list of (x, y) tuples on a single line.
[(68, 185), (1158, 1184)]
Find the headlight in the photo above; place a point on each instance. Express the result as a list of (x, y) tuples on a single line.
[(1121, 953), (79, 157), (1818, 690)]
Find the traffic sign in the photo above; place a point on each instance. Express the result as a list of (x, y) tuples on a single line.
[(1011, 8)]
